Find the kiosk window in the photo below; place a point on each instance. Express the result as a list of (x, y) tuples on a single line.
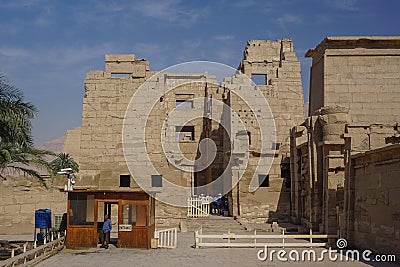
[(134, 215), (81, 210)]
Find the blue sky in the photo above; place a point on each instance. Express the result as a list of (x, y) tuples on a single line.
[(48, 46)]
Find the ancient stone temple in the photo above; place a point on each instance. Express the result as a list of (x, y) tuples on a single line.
[(261, 195), (275, 69), (148, 136), (344, 157)]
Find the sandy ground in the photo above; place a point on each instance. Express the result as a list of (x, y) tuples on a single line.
[(183, 255)]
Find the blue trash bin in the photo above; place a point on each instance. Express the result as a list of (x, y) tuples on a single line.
[(43, 218)]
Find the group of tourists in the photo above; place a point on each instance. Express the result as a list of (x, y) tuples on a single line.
[(219, 205)]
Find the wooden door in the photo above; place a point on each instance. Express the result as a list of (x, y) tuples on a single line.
[(133, 227)]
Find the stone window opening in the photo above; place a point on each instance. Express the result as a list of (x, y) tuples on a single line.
[(184, 133), (263, 180), (276, 146), (249, 136), (156, 180), (125, 180), (184, 101), (184, 104), (285, 174), (259, 79), (120, 75)]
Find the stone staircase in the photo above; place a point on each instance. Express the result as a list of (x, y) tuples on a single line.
[(213, 224)]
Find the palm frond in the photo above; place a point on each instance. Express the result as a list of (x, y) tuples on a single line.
[(16, 144)]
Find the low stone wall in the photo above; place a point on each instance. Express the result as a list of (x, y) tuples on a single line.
[(267, 204), (376, 186), (20, 197), (169, 216)]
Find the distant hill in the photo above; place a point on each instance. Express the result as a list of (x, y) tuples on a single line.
[(55, 145)]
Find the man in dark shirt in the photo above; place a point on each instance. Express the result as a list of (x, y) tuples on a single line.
[(105, 232)]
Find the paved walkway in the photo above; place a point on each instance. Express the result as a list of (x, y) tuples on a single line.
[(182, 256)]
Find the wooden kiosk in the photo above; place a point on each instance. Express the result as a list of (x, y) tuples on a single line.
[(132, 215)]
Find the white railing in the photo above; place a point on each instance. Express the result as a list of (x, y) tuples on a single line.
[(167, 238), (258, 240), (36, 254), (198, 207)]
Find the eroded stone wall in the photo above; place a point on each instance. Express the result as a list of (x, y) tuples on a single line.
[(72, 143), (106, 99), (163, 121), (277, 62), (20, 197), (360, 73), (107, 95), (321, 149), (375, 200)]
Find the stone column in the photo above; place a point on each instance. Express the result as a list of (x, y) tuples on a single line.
[(333, 120), (297, 136)]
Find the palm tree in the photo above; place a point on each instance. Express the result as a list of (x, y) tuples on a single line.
[(22, 160), (15, 116), (17, 154), (63, 161)]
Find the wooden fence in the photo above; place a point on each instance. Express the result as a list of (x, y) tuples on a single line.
[(198, 207), (167, 238), (36, 254), (259, 240)]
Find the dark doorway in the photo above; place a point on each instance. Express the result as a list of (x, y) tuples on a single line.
[(110, 208)]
